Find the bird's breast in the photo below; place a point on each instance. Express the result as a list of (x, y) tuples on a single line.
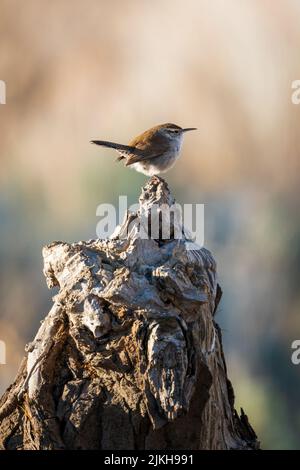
[(177, 144)]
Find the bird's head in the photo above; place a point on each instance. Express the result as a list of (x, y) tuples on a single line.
[(173, 132)]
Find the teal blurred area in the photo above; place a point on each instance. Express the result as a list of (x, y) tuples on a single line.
[(77, 71)]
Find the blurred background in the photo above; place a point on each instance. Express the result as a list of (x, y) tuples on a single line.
[(109, 70)]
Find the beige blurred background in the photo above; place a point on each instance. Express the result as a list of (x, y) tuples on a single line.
[(77, 70)]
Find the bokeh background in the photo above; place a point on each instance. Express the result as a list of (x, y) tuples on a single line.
[(77, 70)]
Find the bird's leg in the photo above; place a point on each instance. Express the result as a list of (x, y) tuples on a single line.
[(159, 179)]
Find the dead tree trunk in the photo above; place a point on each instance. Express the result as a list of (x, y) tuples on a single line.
[(129, 356)]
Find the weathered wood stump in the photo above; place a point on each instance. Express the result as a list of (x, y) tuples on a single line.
[(129, 356)]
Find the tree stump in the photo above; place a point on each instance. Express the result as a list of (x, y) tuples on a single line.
[(129, 356)]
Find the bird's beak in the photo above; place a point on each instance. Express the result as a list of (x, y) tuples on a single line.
[(189, 129)]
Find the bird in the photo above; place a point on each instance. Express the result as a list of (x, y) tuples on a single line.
[(154, 151)]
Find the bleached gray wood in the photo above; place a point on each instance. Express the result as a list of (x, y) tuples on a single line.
[(129, 356)]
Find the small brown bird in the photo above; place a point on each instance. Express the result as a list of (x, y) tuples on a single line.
[(153, 152)]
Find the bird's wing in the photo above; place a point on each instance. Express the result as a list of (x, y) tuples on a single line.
[(147, 146), (139, 149), (141, 158)]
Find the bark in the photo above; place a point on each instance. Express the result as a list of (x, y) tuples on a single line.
[(130, 355)]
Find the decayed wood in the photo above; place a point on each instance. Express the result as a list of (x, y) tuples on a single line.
[(129, 356)]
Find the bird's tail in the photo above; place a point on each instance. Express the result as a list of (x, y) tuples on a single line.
[(113, 145)]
